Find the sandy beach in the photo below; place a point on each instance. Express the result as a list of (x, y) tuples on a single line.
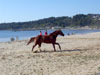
[(80, 55)]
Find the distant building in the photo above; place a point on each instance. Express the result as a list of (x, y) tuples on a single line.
[(56, 27)]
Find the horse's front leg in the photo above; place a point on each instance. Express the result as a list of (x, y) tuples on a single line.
[(58, 45), (54, 46)]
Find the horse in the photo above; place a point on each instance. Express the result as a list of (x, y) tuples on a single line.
[(49, 39)]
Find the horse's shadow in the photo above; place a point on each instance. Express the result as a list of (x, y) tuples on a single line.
[(58, 51)]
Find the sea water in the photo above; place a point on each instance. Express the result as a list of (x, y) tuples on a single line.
[(6, 35)]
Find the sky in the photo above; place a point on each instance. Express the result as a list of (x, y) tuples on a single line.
[(31, 10)]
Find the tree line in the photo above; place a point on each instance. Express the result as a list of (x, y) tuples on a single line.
[(79, 20)]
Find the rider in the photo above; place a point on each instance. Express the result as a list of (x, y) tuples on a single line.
[(46, 32), (40, 33)]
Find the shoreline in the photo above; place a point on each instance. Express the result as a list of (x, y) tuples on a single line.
[(15, 39), (17, 36)]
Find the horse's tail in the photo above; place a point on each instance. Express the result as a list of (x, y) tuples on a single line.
[(31, 40)]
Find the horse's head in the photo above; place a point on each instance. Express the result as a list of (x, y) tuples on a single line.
[(60, 33)]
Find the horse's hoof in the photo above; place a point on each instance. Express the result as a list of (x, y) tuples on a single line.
[(44, 51), (35, 51)]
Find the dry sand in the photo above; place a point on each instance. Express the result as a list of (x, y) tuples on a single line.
[(80, 55)]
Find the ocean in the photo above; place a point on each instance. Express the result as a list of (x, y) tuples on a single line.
[(6, 35)]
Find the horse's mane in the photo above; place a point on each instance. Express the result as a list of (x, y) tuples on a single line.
[(54, 32)]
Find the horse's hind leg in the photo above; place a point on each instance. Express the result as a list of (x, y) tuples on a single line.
[(39, 46), (58, 45), (33, 46)]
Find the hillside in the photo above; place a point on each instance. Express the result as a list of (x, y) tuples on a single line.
[(79, 20)]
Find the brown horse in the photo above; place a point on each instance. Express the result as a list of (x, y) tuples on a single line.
[(51, 38)]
